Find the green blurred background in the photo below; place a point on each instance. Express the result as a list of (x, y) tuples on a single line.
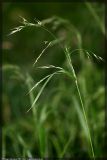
[(57, 128)]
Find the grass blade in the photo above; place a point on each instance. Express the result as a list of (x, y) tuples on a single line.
[(41, 53), (38, 83), (41, 90)]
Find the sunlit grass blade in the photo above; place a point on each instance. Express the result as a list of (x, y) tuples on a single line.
[(41, 90), (41, 53), (40, 81)]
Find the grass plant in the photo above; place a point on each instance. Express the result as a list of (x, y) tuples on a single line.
[(42, 111)]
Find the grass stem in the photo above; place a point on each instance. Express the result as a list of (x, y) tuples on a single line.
[(80, 97)]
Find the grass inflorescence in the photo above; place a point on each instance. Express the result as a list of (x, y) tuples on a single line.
[(65, 71)]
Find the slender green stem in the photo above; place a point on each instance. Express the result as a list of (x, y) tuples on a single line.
[(84, 113), (85, 118)]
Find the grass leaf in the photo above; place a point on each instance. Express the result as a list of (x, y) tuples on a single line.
[(41, 90)]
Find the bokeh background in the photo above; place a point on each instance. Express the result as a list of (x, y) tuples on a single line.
[(57, 128)]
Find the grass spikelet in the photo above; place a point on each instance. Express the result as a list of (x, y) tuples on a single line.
[(50, 66), (16, 29), (89, 54)]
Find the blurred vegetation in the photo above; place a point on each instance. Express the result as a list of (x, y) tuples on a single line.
[(55, 126)]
